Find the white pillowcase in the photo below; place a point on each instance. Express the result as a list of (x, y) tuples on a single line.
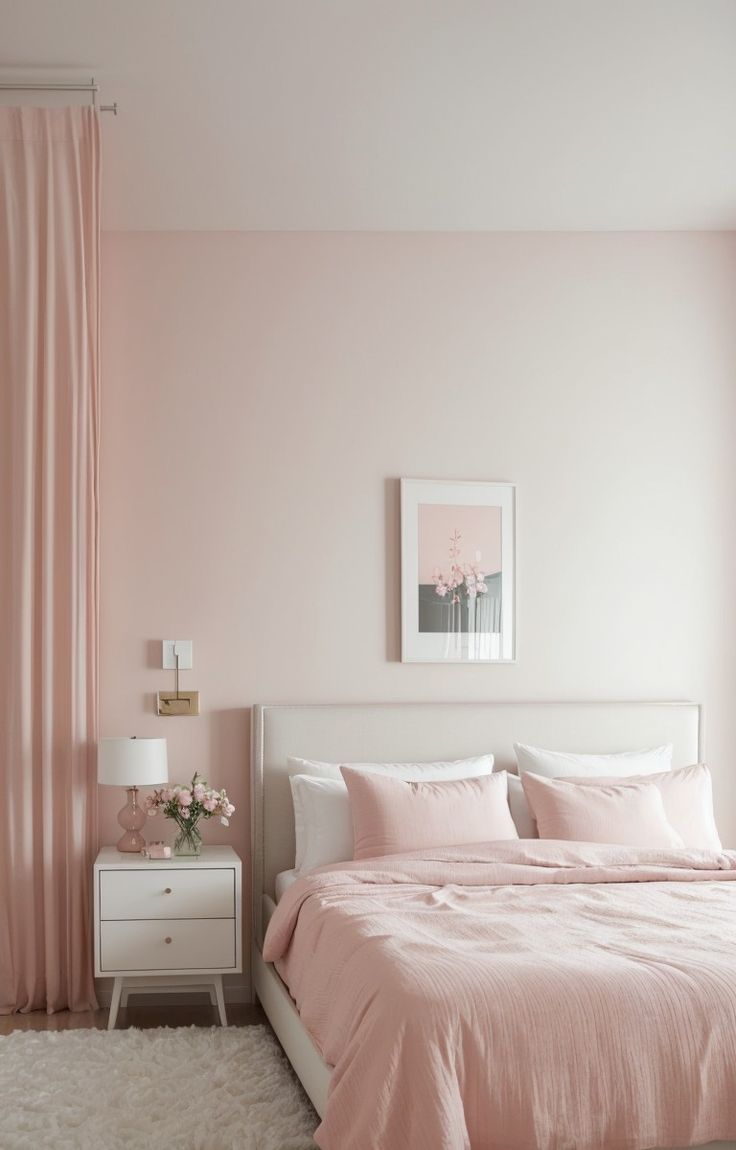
[(323, 824), (526, 827), (565, 764), (322, 821)]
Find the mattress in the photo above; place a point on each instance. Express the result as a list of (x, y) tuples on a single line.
[(283, 881)]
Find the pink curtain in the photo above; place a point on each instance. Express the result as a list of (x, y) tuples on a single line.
[(49, 410)]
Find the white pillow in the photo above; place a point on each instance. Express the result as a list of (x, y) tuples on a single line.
[(323, 818), (564, 764), (323, 824), (526, 827)]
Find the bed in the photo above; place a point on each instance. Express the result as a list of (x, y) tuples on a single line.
[(421, 732)]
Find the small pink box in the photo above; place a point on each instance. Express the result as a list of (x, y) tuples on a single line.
[(157, 851)]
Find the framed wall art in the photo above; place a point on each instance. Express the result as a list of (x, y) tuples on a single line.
[(457, 571)]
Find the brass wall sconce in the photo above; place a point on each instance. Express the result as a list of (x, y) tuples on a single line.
[(177, 655)]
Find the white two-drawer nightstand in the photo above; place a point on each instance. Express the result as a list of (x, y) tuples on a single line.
[(167, 924)]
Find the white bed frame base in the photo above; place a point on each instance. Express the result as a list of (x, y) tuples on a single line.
[(312, 1072), (396, 732)]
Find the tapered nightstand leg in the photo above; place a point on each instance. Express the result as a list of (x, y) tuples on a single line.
[(220, 999), (115, 1003)]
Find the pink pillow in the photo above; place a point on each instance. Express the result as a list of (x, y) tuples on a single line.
[(391, 816), (631, 814), (687, 795)]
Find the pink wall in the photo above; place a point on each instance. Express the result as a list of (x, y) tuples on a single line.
[(262, 393)]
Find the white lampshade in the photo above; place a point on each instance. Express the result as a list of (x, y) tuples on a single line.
[(132, 762)]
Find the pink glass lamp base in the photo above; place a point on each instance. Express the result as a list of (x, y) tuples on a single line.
[(131, 818)]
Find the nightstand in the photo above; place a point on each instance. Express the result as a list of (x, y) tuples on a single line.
[(167, 924)]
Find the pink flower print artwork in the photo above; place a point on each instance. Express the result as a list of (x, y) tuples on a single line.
[(466, 580), (458, 571), (459, 552)]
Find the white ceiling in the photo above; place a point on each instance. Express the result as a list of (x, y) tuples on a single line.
[(401, 114)]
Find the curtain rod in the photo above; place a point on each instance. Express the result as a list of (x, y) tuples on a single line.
[(92, 88)]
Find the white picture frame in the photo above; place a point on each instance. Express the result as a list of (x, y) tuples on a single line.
[(443, 620)]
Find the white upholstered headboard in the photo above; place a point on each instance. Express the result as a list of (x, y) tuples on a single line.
[(398, 732)]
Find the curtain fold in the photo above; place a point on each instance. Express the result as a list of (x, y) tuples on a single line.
[(49, 441)]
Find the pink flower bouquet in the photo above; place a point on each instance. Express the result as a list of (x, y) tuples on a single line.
[(186, 805), (464, 581)]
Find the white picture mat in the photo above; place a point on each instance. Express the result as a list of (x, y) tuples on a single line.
[(425, 647)]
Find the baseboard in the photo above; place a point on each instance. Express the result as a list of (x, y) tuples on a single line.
[(235, 992)]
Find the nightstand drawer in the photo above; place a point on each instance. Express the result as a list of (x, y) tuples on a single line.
[(204, 944), (167, 893)]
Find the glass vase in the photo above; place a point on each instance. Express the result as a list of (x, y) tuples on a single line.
[(453, 630), (188, 842)]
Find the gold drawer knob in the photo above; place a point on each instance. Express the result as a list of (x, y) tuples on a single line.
[(167, 940), (168, 890)]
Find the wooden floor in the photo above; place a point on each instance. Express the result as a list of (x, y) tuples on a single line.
[(141, 1015)]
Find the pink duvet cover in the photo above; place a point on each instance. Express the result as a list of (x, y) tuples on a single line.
[(530, 995)]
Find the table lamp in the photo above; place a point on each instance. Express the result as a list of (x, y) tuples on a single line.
[(132, 763)]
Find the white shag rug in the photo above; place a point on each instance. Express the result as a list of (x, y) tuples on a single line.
[(182, 1088)]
